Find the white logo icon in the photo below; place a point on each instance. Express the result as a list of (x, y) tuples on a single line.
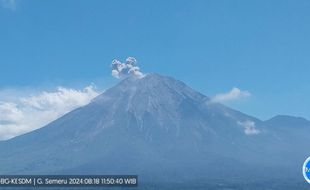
[(306, 170)]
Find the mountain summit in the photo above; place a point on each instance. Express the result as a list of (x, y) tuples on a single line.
[(154, 126)]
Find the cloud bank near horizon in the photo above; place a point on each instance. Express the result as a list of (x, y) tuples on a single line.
[(23, 114)]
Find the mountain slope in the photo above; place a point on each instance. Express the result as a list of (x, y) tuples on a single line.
[(151, 126)]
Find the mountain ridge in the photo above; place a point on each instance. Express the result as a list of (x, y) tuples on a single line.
[(289, 119)]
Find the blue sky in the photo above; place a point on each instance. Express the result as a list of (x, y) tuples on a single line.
[(258, 46)]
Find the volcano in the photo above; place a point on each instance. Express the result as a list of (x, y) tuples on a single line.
[(162, 130)]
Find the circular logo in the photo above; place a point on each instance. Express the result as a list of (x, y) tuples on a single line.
[(306, 170)]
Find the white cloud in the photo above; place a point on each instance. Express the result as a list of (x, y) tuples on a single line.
[(232, 95), (8, 4), (129, 68), (249, 127), (24, 114)]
